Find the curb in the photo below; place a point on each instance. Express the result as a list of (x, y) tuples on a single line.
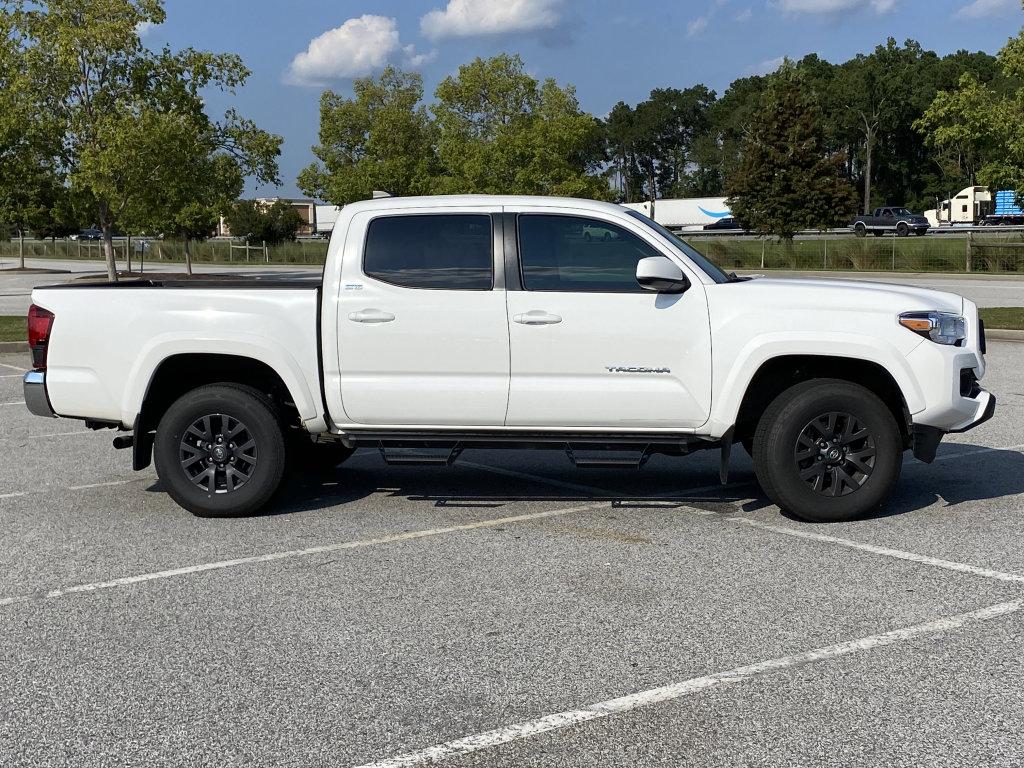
[(13, 346), (1003, 335)]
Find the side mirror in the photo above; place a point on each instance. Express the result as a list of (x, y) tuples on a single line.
[(661, 274)]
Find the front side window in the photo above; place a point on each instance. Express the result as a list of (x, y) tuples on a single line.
[(571, 253), (439, 251)]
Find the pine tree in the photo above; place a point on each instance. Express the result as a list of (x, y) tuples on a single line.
[(787, 181)]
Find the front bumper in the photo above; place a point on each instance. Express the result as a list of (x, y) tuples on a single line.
[(36, 399), (926, 439)]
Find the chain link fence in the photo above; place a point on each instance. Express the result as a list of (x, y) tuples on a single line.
[(997, 253)]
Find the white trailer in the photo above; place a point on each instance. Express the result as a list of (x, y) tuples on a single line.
[(685, 213)]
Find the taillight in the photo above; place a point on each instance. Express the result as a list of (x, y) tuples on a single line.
[(40, 321)]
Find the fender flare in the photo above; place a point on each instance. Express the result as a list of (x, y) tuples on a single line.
[(259, 348), (763, 348)]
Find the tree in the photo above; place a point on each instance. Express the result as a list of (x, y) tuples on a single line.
[(981, 126), (502, 132), (257, 222), (382, 138), (787, 180), (104, 94)]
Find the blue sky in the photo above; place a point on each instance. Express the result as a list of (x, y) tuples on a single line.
[(610, 50)]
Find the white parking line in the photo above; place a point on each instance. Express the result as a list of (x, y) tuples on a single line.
[(11, 375), (273, 556), (15, 402), (13, 495), (110, 483), (899, 554), (12, 367), (525, 730)]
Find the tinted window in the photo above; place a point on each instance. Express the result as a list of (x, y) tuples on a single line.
[(569, 253), (451, 251)]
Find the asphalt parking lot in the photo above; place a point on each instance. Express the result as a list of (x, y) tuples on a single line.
[(509, 611)]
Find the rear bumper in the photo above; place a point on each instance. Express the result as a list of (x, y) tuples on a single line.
[(36, 399)]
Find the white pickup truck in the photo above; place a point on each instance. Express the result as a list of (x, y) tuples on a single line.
[(444, 323)]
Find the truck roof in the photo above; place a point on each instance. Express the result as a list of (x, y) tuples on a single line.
[(442, 201)]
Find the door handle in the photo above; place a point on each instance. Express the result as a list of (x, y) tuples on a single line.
[(371, 316), (537, 317)]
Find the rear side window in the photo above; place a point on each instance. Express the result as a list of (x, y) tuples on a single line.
[(574, 254), (441, 251)]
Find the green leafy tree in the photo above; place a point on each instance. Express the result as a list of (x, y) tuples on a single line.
[(257, 222), (980, 127), (502, 132), (787, 180), (126, 115), (381, 138)]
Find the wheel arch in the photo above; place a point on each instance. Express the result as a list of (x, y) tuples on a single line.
[(777, 374), (183, 372)]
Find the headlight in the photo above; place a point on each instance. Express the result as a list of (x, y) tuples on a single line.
[(940, 327)]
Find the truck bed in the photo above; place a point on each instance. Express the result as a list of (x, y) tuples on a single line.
[(109, 339)]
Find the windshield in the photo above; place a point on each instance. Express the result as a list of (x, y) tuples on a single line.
[(703, 262)]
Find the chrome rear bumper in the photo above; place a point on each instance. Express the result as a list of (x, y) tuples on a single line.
[(35, 394)]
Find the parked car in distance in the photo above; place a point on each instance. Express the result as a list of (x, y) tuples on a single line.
[(444, 323), (593, 231), (88, 234), (729, 222), (893, 219)]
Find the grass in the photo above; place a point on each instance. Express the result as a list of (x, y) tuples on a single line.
[(1005, 318), (13, 328)]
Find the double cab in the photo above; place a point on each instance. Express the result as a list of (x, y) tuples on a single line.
[(890, 219), (445, 323)]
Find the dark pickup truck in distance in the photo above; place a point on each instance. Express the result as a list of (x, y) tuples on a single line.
[(890, 219)]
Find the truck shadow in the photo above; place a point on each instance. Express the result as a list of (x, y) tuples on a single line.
[(962, 473)]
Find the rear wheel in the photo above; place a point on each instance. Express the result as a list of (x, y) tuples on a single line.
[(828, 450), (219, 451), (859, 229)]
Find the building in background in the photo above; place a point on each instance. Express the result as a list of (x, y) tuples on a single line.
[(307, 210)]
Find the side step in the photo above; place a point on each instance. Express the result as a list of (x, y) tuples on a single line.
[(605, 459), (396, 456)]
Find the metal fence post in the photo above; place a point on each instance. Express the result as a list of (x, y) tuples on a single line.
[(894, 253), (266, 254), (967, 263)]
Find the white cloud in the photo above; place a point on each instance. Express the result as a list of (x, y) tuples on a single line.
[(825, 7), (356, 48), (981, 9), (697, 26), (766, 66), (472, 18), (745, 15), (143, 28)]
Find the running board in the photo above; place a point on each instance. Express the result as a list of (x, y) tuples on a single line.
[(597, 461), (415, 457)]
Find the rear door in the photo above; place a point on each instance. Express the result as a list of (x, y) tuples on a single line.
[(589, 346), (422, 327)]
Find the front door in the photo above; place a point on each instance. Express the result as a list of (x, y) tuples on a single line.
[(422, 329), (589, 346)]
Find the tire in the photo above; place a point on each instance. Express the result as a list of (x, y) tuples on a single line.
[(859, 229), (607, 236), (218, 413), (587, 236), (902, 230), (307, 457), (788, 451)]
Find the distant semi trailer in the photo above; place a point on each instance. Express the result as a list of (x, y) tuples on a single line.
[(977, 205), (690, 213)]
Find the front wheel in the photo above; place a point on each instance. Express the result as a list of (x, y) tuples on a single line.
[(219, 451), (902, 230), (828, 450)]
